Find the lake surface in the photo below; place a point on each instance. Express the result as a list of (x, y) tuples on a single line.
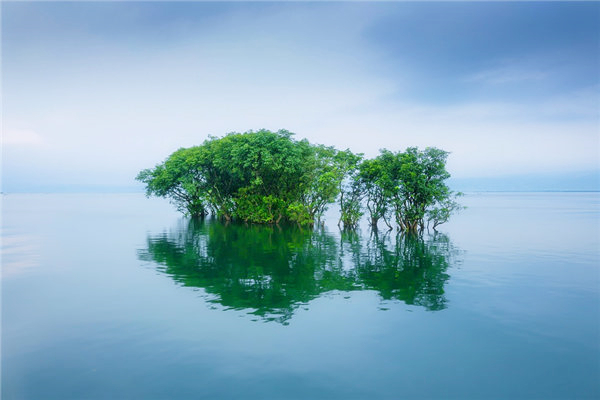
[(117, 296)]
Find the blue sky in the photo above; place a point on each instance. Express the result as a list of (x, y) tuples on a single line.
[(95, 92)]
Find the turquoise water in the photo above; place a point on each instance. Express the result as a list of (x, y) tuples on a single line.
[(118, 297)]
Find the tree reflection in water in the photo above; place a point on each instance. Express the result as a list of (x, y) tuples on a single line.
[(273, 270)]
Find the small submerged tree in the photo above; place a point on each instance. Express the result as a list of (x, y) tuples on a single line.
[(443, 210), (416, 187), (350, 188), (423, 191)]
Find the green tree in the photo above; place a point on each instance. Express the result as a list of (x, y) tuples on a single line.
[(350, 188), (419, 186), (441, 212), (374, 181), (272, 167), (321, 181), (180, 179), (254, 176), (267, 177)]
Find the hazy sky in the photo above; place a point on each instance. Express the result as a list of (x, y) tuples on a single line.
[(94, 92)]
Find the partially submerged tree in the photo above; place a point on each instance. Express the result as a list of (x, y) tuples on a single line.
[(418, 186), (350, 188), (181, 180), (375, 181), (443, 210), (260, 177), (322, 179), (267, 177)]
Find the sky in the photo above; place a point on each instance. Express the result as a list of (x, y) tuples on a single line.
[(94, 92)]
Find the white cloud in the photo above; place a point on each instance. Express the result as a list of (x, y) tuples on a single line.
[(21, 137)]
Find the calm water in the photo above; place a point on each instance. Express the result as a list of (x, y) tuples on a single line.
[(118, 297)]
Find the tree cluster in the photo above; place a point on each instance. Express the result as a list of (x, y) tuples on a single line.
[(267, 177)]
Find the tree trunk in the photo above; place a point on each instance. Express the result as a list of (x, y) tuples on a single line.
[(387, 223)]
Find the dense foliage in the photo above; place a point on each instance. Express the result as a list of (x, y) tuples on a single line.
[(266, 177)]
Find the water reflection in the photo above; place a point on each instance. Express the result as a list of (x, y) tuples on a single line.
[(273, 270)]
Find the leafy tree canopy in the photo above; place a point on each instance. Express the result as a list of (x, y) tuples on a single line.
[(265, 177)]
